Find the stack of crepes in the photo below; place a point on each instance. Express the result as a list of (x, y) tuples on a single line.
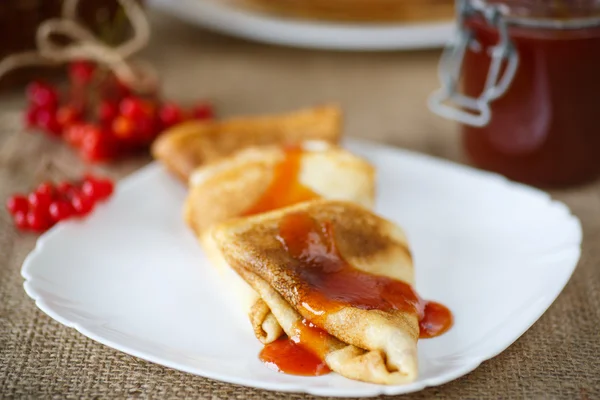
[(407, 11), (274, 201)]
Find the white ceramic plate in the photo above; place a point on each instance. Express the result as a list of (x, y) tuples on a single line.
[(222, 17), (132, 276)]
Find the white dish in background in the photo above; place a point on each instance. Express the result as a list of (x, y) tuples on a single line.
[(132, 276), (222, 17)]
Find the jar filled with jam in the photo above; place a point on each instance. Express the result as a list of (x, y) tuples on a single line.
[(523, 79)]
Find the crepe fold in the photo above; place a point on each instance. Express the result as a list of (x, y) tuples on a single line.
[(362, 343), (191, 144), (228, 188)]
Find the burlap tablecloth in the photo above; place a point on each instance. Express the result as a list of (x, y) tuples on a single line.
[(384, 97)]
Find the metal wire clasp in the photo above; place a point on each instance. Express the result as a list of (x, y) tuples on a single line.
[(447, 101)]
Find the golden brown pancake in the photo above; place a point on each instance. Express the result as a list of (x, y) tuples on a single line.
[(232, 187), (338, 279), (191, 144)]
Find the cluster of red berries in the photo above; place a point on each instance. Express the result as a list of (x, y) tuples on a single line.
[(48, 203), (101, 117)]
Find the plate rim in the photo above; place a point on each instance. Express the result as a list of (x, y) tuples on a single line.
[(230, 20), (154, 167)]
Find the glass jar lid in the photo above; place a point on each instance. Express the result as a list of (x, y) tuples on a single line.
[(504, 58), (553, 14)]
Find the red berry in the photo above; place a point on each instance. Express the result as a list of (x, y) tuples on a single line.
[(17, 203), (134, 107), (39, 201), (67, 116), (46, 188), (20, 220), (91, 145), (81, 71), (131, 107), (98, 145), (123, 127), (38, 220), (146, 130), (97, 188), (89, 190), (106, 188), (42, 95), (60, 210), (82, 205), (107, 111), (31, 116), (203, 111), (46, 120), (170, 114), (75, 133)]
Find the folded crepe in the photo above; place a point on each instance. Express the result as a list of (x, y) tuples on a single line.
[(343, 269), (262, 179), (191, 144)]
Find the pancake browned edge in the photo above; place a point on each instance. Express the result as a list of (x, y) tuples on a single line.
[(368, 345), (191, 144), (225, 189)]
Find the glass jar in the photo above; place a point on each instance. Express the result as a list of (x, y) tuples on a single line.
[(529, 71)]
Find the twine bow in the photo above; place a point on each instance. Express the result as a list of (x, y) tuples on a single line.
[(84, 45)]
